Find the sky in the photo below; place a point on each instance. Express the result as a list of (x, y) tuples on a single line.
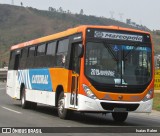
[(145, 12)]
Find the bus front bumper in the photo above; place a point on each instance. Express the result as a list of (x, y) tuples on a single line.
[(95, 105)]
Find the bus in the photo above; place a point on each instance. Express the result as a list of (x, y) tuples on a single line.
[(97, 69)]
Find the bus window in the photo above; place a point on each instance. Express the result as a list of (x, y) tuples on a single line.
[(51, 49), (23, 57), (62, 53), (11, 55), (31, 51), (17, 59), (75, 59), (24, 52), (31, 58), (12, 60), (63, 46), (41, 50)]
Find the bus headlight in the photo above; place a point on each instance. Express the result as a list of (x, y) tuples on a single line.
[(148, 96), (88, 92)]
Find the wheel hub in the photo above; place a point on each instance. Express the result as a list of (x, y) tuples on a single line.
[(61, 105)]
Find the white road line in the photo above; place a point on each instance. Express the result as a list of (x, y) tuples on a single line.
[(11, 110)]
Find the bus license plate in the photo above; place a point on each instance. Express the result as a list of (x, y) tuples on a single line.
[(120, 109)]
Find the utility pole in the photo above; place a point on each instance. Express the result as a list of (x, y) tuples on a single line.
[(121, 16), (12, 2), (112, 13)]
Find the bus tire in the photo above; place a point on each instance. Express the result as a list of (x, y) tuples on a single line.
[(33, 105), (25, 104), (119, 116), (62, 112)]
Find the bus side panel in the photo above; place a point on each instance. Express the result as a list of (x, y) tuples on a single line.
[(13, 88), (35, 79), (38, 96), (41, 84), (61, 76), (38, 85)]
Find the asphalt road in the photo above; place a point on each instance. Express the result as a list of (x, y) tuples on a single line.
[(12, 115)]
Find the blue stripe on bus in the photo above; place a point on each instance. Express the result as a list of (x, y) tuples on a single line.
[(36, 79)]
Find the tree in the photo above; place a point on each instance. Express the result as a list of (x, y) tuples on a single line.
[(50, 8), (81, 12), (68, 12), (21, 4), (60, 10)]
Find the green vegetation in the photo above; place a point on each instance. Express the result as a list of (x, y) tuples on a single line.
[(156, 102), (156, 42), (20, 24)]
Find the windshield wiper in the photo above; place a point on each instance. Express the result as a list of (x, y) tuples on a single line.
[(129, 52), (111, 51)]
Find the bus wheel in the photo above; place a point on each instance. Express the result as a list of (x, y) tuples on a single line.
[(62, 112), (25, 104), (119, 116), (33, 105)]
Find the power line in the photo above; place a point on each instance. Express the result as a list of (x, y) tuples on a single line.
[(121, 16)]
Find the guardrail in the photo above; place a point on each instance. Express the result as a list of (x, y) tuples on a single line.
[(3, 74)]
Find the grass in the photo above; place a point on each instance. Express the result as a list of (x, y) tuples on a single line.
[(156, 102)]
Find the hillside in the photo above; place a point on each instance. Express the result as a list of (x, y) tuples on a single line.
[(19, 24)]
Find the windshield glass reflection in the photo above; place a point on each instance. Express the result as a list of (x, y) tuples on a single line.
[(118, 64)]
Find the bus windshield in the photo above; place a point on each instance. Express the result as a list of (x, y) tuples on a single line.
[(118, 64)]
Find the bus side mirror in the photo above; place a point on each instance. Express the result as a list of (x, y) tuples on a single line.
[(80, 50)]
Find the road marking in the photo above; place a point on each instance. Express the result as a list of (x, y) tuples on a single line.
[(11, 110)]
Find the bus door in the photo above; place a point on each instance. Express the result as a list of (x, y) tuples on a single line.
[(75, 66), (74, 90)]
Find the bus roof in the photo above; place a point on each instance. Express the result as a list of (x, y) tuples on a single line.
[(70, 31)]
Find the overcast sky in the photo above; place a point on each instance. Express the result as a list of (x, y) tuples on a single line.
[(145, 12)]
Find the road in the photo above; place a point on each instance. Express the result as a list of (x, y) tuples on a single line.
[(12, 115)]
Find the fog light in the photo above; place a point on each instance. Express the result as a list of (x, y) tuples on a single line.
[(88, 92), (149, 95)]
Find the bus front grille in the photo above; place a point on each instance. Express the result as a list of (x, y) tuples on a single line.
[(112, 106)]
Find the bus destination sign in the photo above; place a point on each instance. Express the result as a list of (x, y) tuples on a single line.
[(118, 36)]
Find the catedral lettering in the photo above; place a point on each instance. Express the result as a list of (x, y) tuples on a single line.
[(138, 48), (97, 69), (40, 79)]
